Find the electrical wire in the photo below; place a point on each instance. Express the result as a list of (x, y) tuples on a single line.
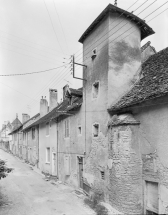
[(61, 25), (114, 26), (113, 22), (32, 52), (18, 91), (31, 73), (127, 29), (53, 27)]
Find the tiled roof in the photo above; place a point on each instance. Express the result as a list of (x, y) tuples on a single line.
[(63, 108), (153, 84), (76, 92), (145, 29)]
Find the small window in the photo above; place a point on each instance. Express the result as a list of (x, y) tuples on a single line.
[(79, 130), (94, 53), (95, 90), (48, 155), (33, 133), (95, 130), (47, 128), (102, 175), (67, 128)]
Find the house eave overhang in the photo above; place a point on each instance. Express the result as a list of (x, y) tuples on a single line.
[(145, 29)]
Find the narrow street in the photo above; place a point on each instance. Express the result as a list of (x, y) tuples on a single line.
[(25, 192)]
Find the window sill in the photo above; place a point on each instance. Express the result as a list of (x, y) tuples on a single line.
[(47, 162)]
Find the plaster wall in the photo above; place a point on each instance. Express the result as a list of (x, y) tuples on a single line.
[(154, 147), (72, 147), (96, 108), (44, 142), (124, 56)]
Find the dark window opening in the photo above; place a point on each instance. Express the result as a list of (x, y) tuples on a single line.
[(102, 175), (95, 89), (95, 130), (33, 133), (79, 130)]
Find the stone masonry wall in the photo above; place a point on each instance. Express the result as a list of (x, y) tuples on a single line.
[(125, 183)]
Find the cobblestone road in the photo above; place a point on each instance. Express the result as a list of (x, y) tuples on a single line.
[(25, 192)]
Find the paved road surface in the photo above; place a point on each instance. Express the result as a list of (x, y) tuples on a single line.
[(25, 192)]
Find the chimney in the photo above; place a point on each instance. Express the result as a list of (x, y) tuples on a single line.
[(25, 117), (43, 106), (53, 98), (64, 91)]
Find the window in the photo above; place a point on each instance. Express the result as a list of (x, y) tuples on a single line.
[(67, 128), (94, 53), (48, 155), (79, 130), (47, 128), (95, 130), (102, 175), (33, 133), (95, 89)]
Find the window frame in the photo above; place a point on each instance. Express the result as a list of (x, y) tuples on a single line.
[(48, 155), (67, 128), (33, 133)]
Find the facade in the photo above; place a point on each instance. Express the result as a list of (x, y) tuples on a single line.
[(30, 144), (146, 141)]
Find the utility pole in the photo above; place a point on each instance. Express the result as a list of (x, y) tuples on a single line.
[(73, 67)]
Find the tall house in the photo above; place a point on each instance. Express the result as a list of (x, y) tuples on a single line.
[(112, 53)]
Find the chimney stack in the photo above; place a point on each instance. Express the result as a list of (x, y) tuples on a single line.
[(64, 91), (53, 98), (25, 117), (43, 106)]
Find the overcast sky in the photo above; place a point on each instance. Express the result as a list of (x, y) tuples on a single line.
[(37, 35)]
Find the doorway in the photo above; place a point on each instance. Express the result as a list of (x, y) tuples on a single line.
[(54, 164), (152, 203), (80, 164)]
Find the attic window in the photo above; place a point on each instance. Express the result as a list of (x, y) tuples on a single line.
[(95, 130), (102, 175), (94, 53), (95, 89)]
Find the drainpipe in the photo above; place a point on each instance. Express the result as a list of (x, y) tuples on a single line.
[(57, 146)]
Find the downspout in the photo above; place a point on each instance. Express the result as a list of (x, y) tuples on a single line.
[(57, 146)]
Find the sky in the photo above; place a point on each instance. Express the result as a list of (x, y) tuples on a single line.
[(37, 35)]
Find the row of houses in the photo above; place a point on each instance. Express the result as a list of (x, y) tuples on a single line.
[(110, 136)]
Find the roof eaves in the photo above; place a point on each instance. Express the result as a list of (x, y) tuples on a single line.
[(145, 29)]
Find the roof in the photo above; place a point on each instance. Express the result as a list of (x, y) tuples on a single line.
[(76, 92), (123, 119), (64, 108), (146, 45), (153, 84), (16, 123), (29, 121), (145, 29)]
